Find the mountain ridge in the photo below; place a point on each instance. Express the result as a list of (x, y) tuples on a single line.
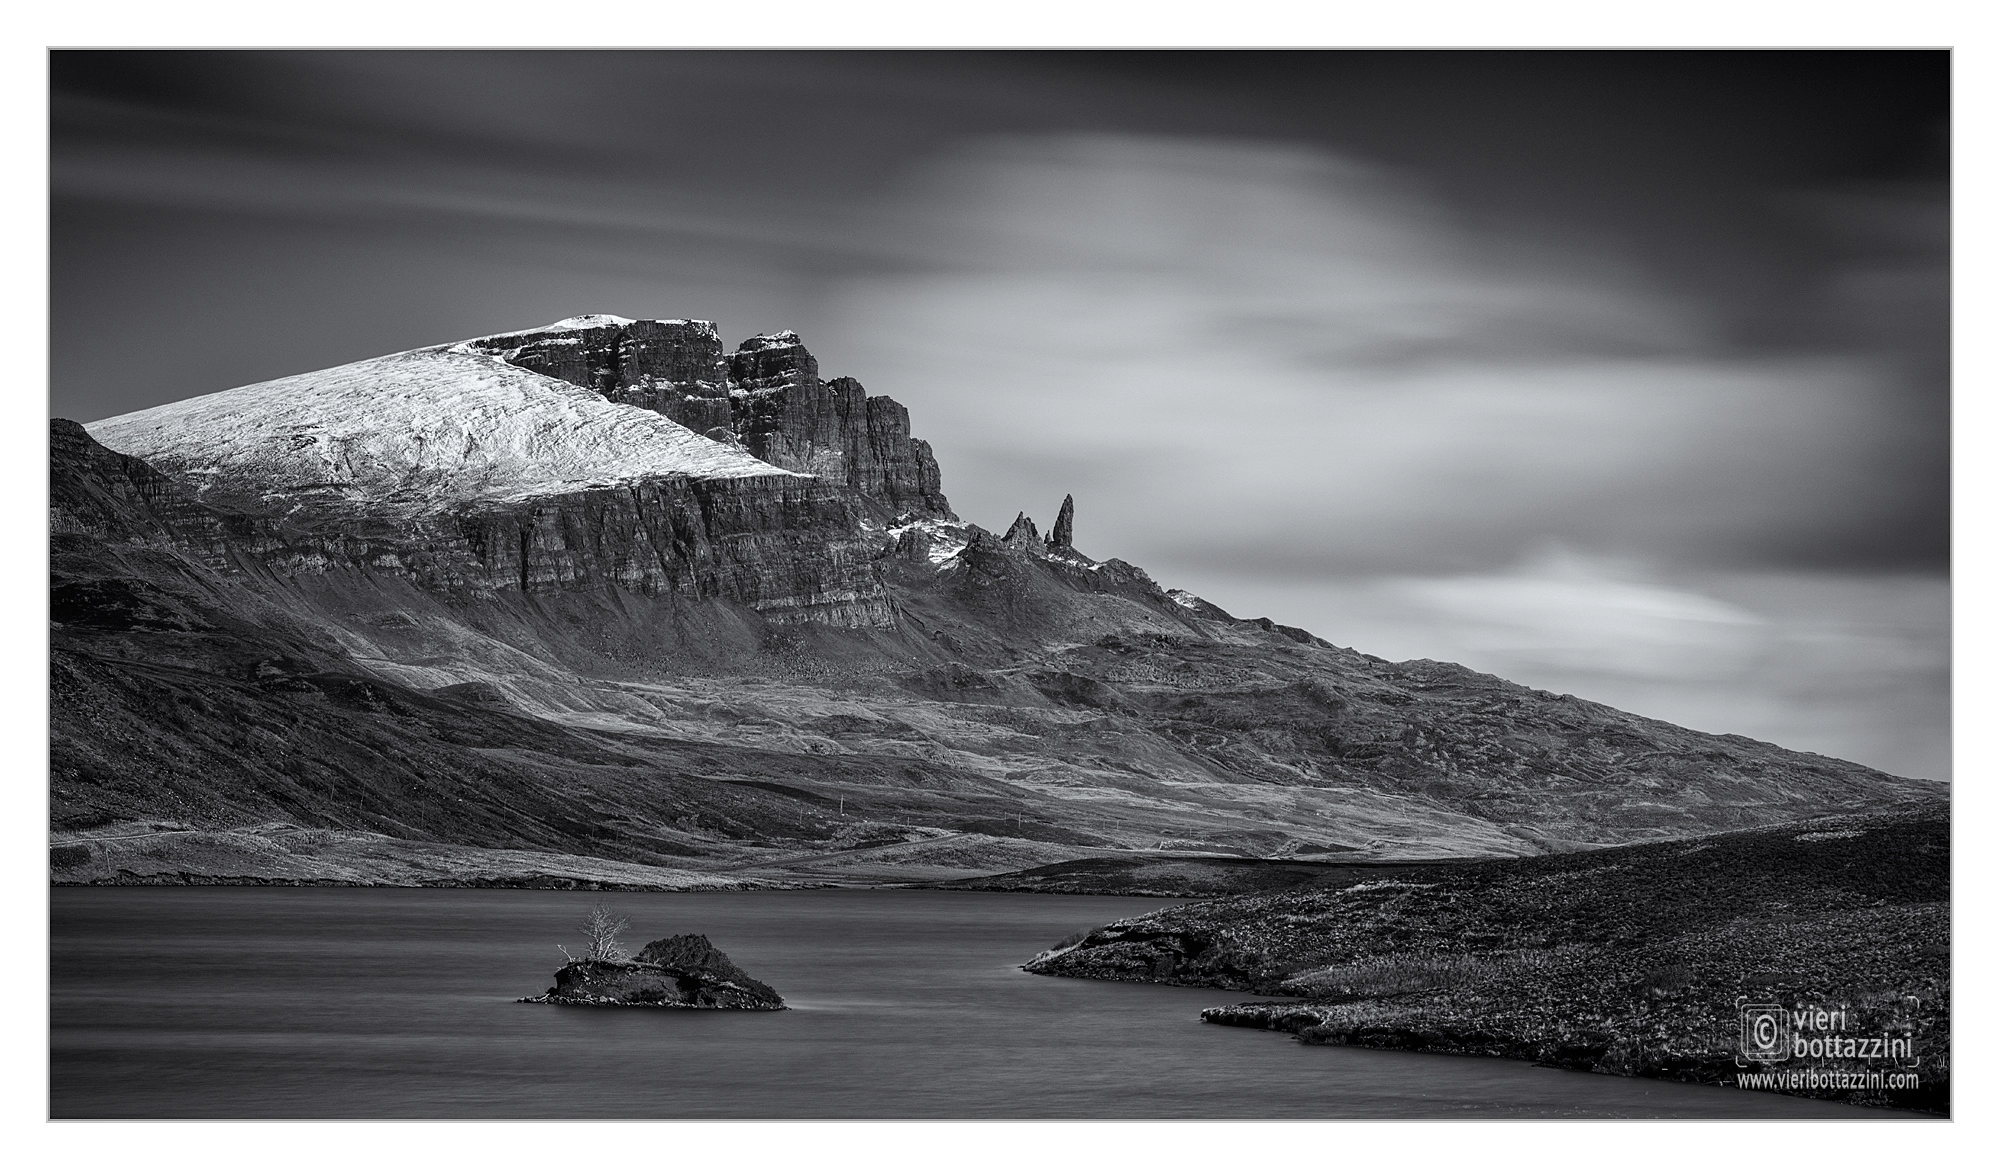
[(686, 670)]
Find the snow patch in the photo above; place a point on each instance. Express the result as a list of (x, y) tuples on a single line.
[(498, 342), (947, 539), (418, 431), (591, 321), (1069, 556), (779, 340)]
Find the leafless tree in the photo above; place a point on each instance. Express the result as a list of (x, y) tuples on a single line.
[(603, 928)]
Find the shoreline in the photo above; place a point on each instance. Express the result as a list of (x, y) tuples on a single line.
[(1306, 1021), (1648, 960)]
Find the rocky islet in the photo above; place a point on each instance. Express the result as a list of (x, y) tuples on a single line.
[(684, 972)]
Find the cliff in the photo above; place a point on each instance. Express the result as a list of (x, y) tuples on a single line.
[(766, 397), (350, 480)]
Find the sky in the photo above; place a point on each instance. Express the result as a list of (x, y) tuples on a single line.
[(1618, 374)]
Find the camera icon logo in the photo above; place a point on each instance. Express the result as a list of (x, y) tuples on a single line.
[(1766, 1033)]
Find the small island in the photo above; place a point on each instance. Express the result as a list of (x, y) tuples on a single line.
[(684, 971)]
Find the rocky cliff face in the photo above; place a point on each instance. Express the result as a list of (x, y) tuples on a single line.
[(766, 396), (675, 368), (789, 548), (94, 491)]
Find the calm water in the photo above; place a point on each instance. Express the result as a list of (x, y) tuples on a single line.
[(245, 1002)]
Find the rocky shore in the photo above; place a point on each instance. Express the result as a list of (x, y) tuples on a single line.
[(1634, 961)]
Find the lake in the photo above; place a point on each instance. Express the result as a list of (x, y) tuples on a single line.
[(365, 1003)]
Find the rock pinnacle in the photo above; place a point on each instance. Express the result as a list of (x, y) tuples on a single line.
[(1022, 528), (1059, 536)]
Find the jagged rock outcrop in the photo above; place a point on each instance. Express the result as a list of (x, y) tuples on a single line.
[(766, 396), (1060, 536), (672, 367), (1021, 533), (787, 416), (684, 971)]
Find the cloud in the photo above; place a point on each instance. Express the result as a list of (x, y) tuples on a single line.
[(208, 163), (1856, 666), (1267, 351), (1564, 614)]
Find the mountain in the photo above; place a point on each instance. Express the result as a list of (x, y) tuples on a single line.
[(603, 603)]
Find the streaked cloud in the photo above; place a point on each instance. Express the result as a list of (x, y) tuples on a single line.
[(1297, 358)]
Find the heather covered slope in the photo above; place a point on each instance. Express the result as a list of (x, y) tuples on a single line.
[(805, 673), (1627, 960)]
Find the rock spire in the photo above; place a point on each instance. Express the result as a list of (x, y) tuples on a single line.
[(1059, 536)]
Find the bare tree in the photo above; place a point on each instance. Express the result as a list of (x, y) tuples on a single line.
[(603, 929)]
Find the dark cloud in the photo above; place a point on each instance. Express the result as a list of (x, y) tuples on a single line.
[(240, 215), (1311, 362)]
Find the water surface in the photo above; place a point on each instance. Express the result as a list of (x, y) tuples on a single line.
[(370, 1003)]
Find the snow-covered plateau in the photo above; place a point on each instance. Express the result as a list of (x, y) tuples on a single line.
[(413, 432)]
